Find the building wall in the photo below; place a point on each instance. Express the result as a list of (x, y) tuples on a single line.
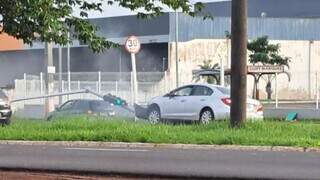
[(13, 64), (124, 26), (193, 53), (275, 28), (273, 8)]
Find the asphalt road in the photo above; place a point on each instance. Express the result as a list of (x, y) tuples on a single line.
[(163, 162)]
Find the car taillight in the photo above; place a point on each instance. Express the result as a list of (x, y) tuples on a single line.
[(226, 101), (260, 108)]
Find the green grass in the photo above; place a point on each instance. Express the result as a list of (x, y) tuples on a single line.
[(274, 133)]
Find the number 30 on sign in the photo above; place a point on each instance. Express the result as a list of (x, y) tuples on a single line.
[(133, 45)]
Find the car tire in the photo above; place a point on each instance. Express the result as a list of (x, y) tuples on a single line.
[(5, 122), (154, 115), (206, 116), (49, 118)]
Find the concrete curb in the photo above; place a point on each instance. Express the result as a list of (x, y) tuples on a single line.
[(290, 102), (160, 146)]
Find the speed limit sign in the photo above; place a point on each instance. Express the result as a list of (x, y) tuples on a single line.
[(133, 45)]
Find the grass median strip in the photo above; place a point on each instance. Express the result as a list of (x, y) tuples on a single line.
[(266, 133)]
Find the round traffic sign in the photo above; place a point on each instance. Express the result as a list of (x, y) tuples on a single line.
[(133, 45)]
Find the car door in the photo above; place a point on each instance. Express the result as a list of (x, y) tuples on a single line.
[(81, 107), (173, 103), (200, 98)]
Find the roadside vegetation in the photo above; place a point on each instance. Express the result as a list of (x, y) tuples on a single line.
[(271, 132)]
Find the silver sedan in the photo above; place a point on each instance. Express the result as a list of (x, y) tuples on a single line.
[(198, 102)]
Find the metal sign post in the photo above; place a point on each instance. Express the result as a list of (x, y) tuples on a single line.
[(133, 46), (135, 81)]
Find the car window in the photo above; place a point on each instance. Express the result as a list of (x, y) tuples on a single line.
[(202, 91), (67, 106), (99, 106), (81, 105), (185, 91), (224, 91)]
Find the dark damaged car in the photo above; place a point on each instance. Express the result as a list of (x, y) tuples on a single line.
[(5, 110)]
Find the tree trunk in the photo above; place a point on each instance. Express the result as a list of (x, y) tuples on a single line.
[(239, 62)]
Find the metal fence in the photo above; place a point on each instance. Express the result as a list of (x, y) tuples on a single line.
[(301, 92), (151, 84)]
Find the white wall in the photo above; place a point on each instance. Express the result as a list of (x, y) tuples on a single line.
[(193, 53)]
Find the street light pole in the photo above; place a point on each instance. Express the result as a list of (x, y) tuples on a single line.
[(68, 64), (60, 73), (48, 77), (176, 46)]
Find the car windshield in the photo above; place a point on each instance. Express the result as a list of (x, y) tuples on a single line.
[(67, 106), (184, 91), (225, 91)]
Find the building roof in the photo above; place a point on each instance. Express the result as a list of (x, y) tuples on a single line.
[(285, 20), (271, 8)]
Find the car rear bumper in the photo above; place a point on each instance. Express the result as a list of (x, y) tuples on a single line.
[(250, 116)]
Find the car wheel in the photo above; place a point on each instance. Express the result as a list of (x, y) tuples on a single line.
[(206, 116), (154, 115), (49, 118), (5, 122)]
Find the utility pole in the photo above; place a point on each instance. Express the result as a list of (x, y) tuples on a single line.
[(238, 62)]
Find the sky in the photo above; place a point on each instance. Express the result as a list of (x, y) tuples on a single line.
[(115, 10)]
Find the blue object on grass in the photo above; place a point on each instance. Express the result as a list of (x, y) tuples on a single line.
[(292, 116)]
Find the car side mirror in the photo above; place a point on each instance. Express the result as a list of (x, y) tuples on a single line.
[(170, 95)]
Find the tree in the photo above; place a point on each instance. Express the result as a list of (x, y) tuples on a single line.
[(207, 65), (238, 62), (51, 20), (265, 53)]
